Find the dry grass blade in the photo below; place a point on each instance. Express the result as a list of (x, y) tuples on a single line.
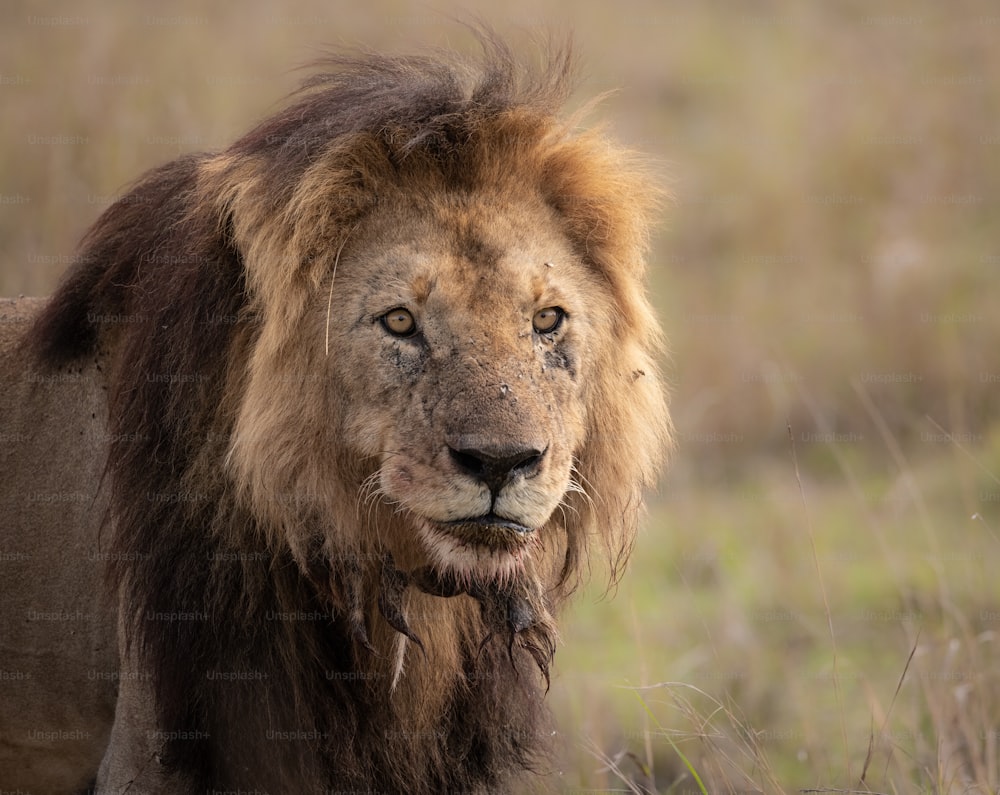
[(963, 449), (843, 791), (612, 766), (333, 278), (728, 754), (908, 479), (888, 712), (826, 603)]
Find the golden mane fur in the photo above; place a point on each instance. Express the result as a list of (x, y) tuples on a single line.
[(258, 528)]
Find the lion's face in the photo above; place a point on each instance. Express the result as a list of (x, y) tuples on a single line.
[(463, 344)]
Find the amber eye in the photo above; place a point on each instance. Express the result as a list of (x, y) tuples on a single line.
[(399, 322), (548, 320)]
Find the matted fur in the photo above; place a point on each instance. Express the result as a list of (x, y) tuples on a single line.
[(251, 533)]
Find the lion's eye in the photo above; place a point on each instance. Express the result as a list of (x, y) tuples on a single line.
[(548, 320), (399, 322)]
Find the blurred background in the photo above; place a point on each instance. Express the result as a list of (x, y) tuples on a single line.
[(813, 603)]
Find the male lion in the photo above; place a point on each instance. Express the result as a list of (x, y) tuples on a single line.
[(336, 414)]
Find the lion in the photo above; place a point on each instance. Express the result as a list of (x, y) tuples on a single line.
[(318, 434)]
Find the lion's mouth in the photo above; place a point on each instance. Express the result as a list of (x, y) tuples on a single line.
[(489, 535), (490, 522), (484, 548)]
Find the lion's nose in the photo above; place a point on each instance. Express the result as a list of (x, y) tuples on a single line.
[(496, 465)]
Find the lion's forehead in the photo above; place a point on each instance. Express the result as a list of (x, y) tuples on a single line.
[(505, 260)]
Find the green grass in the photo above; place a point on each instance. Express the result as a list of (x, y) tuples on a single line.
[(724, 602)]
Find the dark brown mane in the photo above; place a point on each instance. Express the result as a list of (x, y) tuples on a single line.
[(218, 603)]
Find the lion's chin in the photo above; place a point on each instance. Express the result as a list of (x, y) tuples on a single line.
[(483, 550)]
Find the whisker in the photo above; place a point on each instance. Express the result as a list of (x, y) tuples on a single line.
[(584, 485), (368, 492), (563, 506), (575, 488), (333, 278)]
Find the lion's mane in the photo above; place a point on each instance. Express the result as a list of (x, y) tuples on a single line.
[(236, 528)]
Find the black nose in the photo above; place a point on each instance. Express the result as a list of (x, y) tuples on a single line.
[(496, 465)]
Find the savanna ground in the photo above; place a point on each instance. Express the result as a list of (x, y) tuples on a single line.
[(813, 604)]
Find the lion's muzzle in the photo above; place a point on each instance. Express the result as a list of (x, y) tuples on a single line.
[(482, 488)]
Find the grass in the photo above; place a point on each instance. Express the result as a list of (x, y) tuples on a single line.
[(829, 262), (759, 698)]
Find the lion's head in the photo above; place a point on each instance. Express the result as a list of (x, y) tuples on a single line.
[(456, 357), (405, 342), (475, 344)]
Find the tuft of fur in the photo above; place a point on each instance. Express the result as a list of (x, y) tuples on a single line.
[(235, 505)]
